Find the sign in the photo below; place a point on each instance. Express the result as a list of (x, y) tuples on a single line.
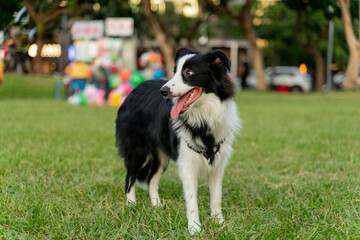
[(87, 29), (119, 27), (86, 51)]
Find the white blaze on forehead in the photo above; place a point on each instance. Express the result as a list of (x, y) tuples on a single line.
[(182, 61), (176, 84)]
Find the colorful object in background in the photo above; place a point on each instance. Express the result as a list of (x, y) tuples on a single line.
[(113, 67), (2, 56), (136, 79), (125, 74), (115, 98), (78, 70), (1, 71), (74, 99), (151, 59), (95, 96), (127, 88), (158, 74), (90, 96), (303, 68), (282, 89), (71, 53), (147, 73), (83, 99), (90, 83), (152, 64), (114, 81)]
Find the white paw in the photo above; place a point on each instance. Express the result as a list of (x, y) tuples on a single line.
[(130, 202), (156, 202), (194, 228), (219, 217)]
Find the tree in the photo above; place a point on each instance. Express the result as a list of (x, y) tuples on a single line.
[(7, 9), (277, 27), (43, 15), (310, 42), (243, 16), (161, 35), (311, 28), (353, 45), (166, 38)]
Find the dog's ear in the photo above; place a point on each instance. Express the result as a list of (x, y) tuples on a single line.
[(219, 59), (220, 65), (182, 52)]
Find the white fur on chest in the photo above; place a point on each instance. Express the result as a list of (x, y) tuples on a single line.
[(222, 119)]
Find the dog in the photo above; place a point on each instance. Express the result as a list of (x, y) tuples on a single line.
[(191, 119)]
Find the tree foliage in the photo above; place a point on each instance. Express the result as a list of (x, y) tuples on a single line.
[(243, 15), (299, 29), (7, 10)]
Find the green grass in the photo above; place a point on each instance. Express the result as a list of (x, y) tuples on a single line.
[(294, 172), (27, 87)]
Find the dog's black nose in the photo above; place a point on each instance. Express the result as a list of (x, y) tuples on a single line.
[(164, 90)]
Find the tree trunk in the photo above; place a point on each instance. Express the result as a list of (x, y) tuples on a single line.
[(37, 62), (161, 37), (311, 47), (320, 69), (257, 57), (353, 63), (245, 20)]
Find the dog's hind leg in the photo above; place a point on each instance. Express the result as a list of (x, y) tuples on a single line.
[(133, 164), (130, 189), (154, 181)]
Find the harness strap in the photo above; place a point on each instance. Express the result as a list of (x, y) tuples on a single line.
[(209, 154)]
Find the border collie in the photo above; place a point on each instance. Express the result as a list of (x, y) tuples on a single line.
[(191, 119)]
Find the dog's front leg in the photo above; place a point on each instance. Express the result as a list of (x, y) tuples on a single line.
[(215, 186), (189, 177)]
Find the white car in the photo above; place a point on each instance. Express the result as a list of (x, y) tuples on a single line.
[(340, 79), (290, 77)]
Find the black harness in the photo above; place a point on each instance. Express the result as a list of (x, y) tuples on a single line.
[(208, 153)]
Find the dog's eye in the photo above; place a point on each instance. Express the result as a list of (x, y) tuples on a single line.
[(188, 72)]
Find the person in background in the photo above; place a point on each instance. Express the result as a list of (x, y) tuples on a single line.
[(243, 72)]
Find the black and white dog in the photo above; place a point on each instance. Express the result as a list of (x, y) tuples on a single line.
[(191, 118)]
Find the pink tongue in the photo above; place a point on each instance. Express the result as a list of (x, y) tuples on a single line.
[(180, 105)]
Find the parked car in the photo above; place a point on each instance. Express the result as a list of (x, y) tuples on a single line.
[(284, 76), (340, 79)]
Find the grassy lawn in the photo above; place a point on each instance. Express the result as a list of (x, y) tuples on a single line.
[(294, 172)]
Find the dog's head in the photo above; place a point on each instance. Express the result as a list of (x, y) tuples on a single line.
[(197, 73)]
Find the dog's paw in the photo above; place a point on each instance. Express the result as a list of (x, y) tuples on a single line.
[(156, 202), (194, 228), (219, 217), (130, 203)]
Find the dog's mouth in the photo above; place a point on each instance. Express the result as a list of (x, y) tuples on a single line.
[(183, 103)]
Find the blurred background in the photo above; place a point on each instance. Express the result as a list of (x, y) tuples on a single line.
[(112, 46)]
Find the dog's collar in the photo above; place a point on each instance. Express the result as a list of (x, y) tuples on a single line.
[(209, 154)]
